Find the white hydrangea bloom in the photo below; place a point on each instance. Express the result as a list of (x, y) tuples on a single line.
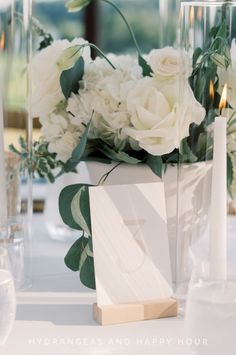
[(104, 98), (64, 145), (61, 134)]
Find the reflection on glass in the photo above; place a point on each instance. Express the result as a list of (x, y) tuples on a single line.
[(211, 312), (7, 297)]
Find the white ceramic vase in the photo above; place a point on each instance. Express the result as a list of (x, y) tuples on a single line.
[(187, 191)]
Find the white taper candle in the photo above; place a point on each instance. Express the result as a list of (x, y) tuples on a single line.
[(218, 218)]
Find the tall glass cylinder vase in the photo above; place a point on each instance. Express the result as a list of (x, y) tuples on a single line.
[(168, 21), (208, 52), (15, 43)]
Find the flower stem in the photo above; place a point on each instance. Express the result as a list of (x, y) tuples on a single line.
[(127, 24), (106, 175), (99, 51), (81, 46)]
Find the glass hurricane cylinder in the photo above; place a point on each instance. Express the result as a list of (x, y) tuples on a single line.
[(15, 43), (168, 21), (211, 312), (208, 52)]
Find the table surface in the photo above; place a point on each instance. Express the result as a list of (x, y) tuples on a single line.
[(54, 316)]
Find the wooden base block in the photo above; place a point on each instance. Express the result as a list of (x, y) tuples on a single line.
[(134, 312)]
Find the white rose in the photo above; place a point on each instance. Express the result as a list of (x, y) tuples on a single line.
[(158, 124), (46, 76), (165, 63)]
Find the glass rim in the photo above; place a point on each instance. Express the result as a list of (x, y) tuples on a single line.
[(202, 271), (186, 4)]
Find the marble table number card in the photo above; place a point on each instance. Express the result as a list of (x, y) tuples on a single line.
[(130, 244)]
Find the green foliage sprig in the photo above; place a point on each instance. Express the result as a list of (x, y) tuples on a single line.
[(38, 160), (206, 63), (46, 37)]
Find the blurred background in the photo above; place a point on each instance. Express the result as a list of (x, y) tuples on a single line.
[(153, 21)]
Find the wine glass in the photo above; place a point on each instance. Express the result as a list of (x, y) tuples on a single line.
[(7, 297), (210, 318)]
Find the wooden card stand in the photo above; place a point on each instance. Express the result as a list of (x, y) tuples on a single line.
[(134, 312)]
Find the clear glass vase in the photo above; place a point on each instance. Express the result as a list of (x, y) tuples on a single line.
[(168, 22), (208, 55), (211, 312), (15, 43)]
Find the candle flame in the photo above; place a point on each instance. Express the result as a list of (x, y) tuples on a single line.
[(212, 90), (2, 41), (223, 100), (199, 13), (191, 19)]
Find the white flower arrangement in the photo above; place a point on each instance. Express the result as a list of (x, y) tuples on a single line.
[(124, 109), (128, 112)]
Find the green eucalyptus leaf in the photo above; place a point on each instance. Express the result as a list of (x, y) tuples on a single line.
[(213, 31), (78, 152), (90, 243), (200, 87), (68, 57), (23, 144), (51, 177), (196, 55), (230, 173), (87, 273), (74, 255), (13, 149), (46, 41), (65, 200), (77, 5), (232, 121), (173, 158), (126, 158), (97, 159), (147, 70), (70, 78), (187, 154), (43, 165), (219, 60), (222, 31), (210, 118), (118, 156), (80, 209), (85, 207), (156, 164), (86, 252), (202, 145)]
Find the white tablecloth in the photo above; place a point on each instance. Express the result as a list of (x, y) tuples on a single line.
[(55, 316)]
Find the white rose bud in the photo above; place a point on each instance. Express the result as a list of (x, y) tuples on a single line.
[(165, 63)]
